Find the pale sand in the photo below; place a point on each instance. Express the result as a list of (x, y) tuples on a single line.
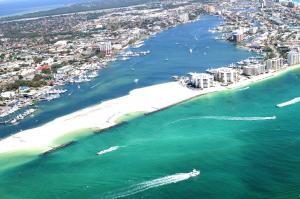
[(104, 115)]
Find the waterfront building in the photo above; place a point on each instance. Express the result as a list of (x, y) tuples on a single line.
[(209, 8), (201, 80), (105, 48), (183, 18), (253, 70), (274, 64), (225, 75), (293, 58), (238, 36)]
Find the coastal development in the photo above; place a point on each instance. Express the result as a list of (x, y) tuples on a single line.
[(40, 55), (75, 61), (151, 99)]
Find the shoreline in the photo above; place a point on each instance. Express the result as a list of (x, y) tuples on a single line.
[(104, 116)]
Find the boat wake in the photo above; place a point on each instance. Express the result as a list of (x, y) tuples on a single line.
[(239, 118), (293, 101), (96, 85), (111, 149), (155, 183), (229, 118)]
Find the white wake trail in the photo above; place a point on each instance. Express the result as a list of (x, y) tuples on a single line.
[(239, 118), (229, 118), (290, 102), (152, 184), (108, 150)]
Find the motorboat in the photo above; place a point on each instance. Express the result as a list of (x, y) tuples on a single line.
[(194, 173)]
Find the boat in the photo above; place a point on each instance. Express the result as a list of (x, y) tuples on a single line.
[(293, 101), (194, 173), (124, 58), (138, 45), (191, 50), (145, 52), (52, 97), (166, 59), (136, 81), (22, 116)]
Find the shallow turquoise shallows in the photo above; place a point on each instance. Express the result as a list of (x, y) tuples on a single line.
[(242, 144)]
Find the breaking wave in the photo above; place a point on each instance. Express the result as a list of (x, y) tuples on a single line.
[(245, 88), (151, 184)]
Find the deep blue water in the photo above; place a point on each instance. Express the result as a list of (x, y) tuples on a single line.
[(118, 78), (15, 7)]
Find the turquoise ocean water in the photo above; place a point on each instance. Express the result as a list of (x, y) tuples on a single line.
[(243, 145)]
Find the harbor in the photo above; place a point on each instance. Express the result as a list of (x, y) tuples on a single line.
[(104, 115), (131, 131), (143, 68)]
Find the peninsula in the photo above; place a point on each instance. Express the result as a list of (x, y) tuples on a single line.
[(99, 117)]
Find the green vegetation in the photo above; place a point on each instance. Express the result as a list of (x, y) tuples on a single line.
[(36, 82)]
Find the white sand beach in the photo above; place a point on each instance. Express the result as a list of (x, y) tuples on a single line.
[(104, 115)]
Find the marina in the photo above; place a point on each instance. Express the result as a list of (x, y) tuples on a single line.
[(231, 131)]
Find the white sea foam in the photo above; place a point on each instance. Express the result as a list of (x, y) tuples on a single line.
[(152, 184), (229, 118), (108, 150), (245, 88), (290, 102)]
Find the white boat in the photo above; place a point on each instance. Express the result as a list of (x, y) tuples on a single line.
[(191, 50), (194, 173), (124, 58), (293, 101), (136, 81), (138, 45)]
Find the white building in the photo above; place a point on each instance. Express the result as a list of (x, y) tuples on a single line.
[(225, 75), (105, 48), (184, 18), (202, 80), (293, 58), (8, 94), (253, 70), (274, 64)]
